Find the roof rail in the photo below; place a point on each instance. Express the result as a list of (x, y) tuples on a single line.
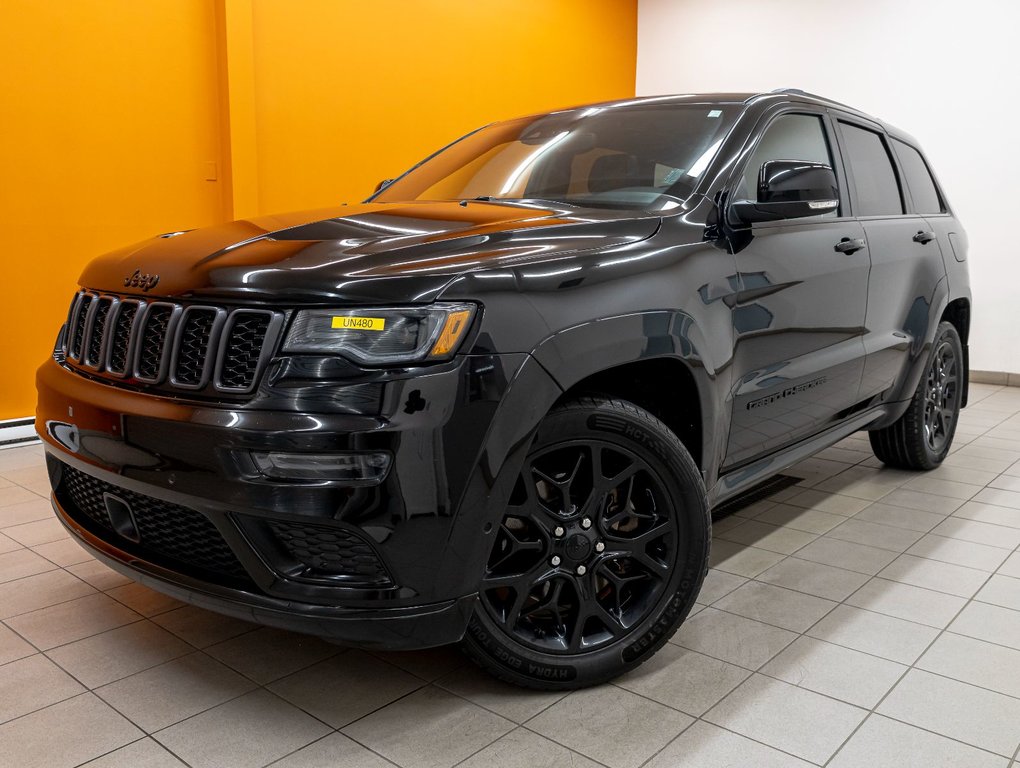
[(808, 94)]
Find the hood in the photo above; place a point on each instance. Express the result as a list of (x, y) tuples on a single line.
[(374, 252)]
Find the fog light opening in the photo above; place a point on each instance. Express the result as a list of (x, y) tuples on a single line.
[(360, 468)]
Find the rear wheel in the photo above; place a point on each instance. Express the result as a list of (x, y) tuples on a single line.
[(922, 436), (600, 554)]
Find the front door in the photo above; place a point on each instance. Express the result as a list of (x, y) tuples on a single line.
[(800, 309)]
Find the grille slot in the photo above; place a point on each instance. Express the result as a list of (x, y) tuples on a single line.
[(155, 325), (169, 345), (94, 353), (167, 531), (330, 552), (81, 314), (120, 344), (246, 334), (191, 353)]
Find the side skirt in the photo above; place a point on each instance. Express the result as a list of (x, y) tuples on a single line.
[(739, 480)]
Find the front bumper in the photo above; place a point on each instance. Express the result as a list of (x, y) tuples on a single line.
[(393, 629), (428, 525)]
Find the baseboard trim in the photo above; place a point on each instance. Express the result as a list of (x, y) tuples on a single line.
[(1000, 378), (17, 432)]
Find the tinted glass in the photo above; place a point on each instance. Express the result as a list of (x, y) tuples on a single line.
[(630, 156), (788, 137), (878, 191), (922, 186)]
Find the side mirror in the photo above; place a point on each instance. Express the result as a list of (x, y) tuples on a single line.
[(790, 189), (382, 185)]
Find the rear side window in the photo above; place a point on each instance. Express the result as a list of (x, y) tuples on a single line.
[(878, 191), (922, 185)]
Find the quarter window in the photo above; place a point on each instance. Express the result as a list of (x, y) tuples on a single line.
[(922, 185), (878, 191)]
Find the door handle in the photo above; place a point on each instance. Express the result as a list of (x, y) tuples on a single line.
[(849, 245), (923, 237)]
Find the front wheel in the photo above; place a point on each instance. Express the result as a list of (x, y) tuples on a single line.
[(600, 554), (921, 437)]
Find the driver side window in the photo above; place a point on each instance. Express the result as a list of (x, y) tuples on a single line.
[(788, 137)]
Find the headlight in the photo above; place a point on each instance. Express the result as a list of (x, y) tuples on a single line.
[(379, 336)]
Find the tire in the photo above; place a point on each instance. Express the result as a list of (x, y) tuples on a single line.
[(600, 554), (921, 437)]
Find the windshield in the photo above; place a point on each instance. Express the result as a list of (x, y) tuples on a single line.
[(630, 157)]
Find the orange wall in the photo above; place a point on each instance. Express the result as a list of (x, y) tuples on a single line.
[(348, 93), (105, 138), (115, 113)]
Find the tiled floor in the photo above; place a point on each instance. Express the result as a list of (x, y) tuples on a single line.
[(862, 619)]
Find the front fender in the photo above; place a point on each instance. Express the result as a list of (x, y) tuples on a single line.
[(530, 395)]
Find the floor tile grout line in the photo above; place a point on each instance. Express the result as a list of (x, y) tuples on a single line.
[(735, 733), (31, 712), (436, 683), (94, 634), (19, 634), (257, 689), (59, 602), (876, 714), (190, 652), (523, 727), (843, 602), (87, 692), (425, 684), (294, 751), (912, 666), (257, 686), (665, 746), (805, 634), (135, 741), (958, 565), (905, 672), (872, 575)]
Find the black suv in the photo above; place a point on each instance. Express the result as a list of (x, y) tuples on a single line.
[(496, 402)]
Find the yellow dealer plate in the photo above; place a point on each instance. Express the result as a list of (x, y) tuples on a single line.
[(360, 323)]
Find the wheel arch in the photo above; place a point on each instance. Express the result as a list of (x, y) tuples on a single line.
[(663, 386), (957, 312), (652, 359)]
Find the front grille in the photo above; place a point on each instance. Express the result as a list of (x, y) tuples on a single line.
[(166, 531), (169, 344), (328, 551)]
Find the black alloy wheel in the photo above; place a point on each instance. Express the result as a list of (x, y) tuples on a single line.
[(941, 401), (600, 553), (922, 436)]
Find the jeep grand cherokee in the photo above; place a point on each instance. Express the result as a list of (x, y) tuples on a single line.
[(496, 402)]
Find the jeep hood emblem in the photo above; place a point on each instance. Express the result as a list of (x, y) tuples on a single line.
[(137, 280)]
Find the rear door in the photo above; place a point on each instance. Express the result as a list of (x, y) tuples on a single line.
[(906, 261), (799, 315)]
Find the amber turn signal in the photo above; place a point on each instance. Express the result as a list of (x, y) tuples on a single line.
[(453, 331)]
